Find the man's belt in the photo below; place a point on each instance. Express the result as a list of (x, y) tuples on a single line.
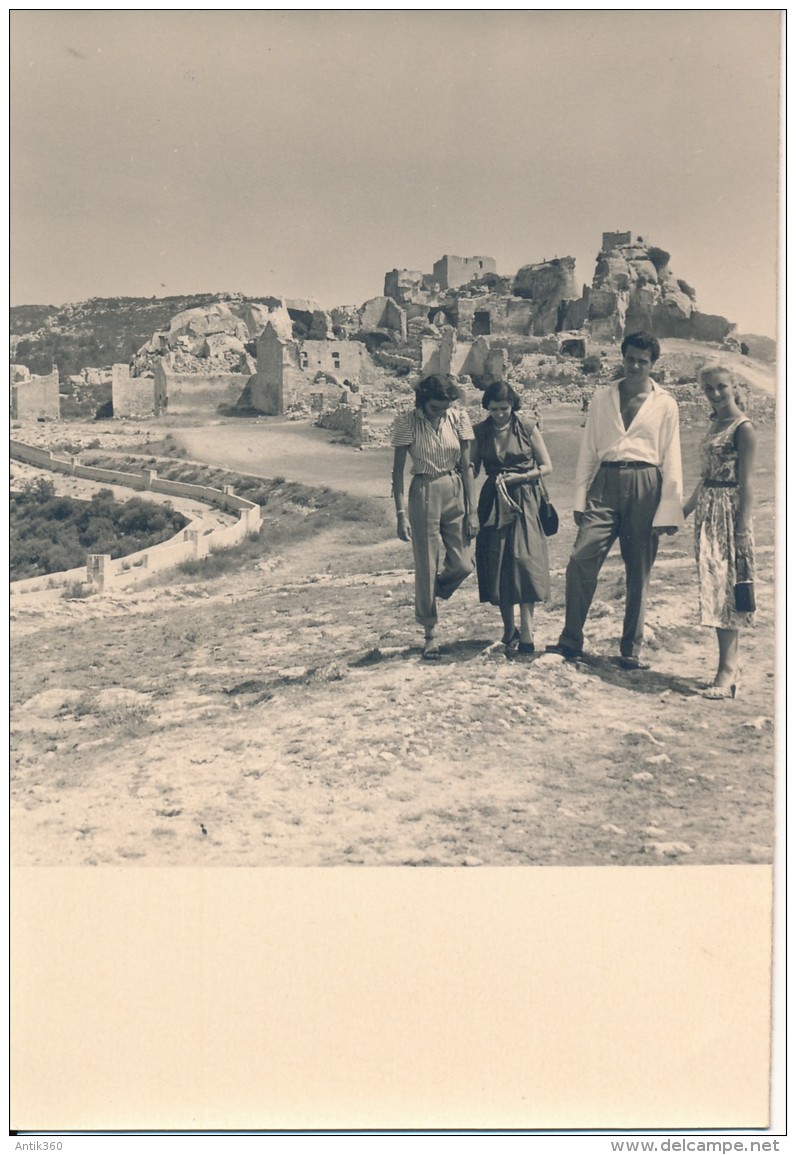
[(628, 465)]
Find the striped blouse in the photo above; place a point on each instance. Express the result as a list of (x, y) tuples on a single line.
[(433, 452)]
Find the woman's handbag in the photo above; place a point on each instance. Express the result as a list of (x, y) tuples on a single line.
[(744, 581), (547, 512)]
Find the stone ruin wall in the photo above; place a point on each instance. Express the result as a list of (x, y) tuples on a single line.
[(132, 396), (506, 315), (348, 420), (451, 272), (197, 393), (36, 397)]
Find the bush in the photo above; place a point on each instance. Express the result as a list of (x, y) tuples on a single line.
[(49, 534), (592, 363), (659, 257), (77, 590)]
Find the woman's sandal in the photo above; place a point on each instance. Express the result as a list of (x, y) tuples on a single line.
[(512, 642), (720, 693), (716, 693), (523, 650)]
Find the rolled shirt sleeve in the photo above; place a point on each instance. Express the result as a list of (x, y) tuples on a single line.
[(402, 429), (588, 462), (670, 507)]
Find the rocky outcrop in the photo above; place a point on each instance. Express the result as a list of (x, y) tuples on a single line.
[(409, 287), (634, 288), (549, 285), (383, 313)]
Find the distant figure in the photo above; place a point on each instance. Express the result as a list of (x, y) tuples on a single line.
[(441, 496), (744, 349), (584, 407), (511, 549), (723, 535), (628, 485)]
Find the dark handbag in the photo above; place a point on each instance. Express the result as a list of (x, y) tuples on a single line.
[(745, 597), (744, 582), (548, 517)]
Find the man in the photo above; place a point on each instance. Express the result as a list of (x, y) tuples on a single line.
[(628, 485)]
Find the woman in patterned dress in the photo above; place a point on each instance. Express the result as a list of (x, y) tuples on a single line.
[(441, 498), (723, 501), (511, 549)]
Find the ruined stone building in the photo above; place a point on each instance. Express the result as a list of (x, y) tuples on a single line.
[(34, 397), (468, 294), (452, 272), (463, 317), (633, 288), (290, 370)]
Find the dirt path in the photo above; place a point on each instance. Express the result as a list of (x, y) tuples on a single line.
[(274, 447), (281, 715)]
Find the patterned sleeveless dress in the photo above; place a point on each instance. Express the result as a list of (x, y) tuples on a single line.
[(714, 533)]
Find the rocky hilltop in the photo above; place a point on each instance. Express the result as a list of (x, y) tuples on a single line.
[(93, 333), (634, 288), (463, 300)]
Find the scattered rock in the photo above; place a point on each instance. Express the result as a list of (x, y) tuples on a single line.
[(643, 776), (670, 849), (658, 759), (633, 735), (763, 722)]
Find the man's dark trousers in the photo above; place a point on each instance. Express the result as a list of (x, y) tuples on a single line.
[(621, 503)]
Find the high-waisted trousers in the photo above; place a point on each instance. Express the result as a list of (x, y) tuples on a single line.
[(621, 503), (436, 511)]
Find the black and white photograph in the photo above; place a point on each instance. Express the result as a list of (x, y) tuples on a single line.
[(394, 452)]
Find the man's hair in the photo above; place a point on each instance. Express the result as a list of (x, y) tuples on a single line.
[(501, 391), (437, 387), (643, 340)]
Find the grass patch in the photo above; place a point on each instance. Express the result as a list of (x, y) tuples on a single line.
[(222, 561)]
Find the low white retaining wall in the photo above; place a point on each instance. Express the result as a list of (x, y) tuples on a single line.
[(191, 542)]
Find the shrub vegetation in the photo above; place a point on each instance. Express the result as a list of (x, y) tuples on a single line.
[(49, 534)]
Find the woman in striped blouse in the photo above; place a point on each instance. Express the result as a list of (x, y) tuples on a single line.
[(441, 498)]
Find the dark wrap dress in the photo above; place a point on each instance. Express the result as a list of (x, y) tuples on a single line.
[(511, 560)]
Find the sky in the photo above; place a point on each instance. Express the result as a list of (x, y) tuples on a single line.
[(306, 153)]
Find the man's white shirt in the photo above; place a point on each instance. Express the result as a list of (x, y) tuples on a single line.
[(652, 436)]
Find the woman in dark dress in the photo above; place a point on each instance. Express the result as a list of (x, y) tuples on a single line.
[(511, 549)]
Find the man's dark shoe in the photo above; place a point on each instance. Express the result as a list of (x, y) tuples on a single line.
[(630, 663), (564, 652)]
